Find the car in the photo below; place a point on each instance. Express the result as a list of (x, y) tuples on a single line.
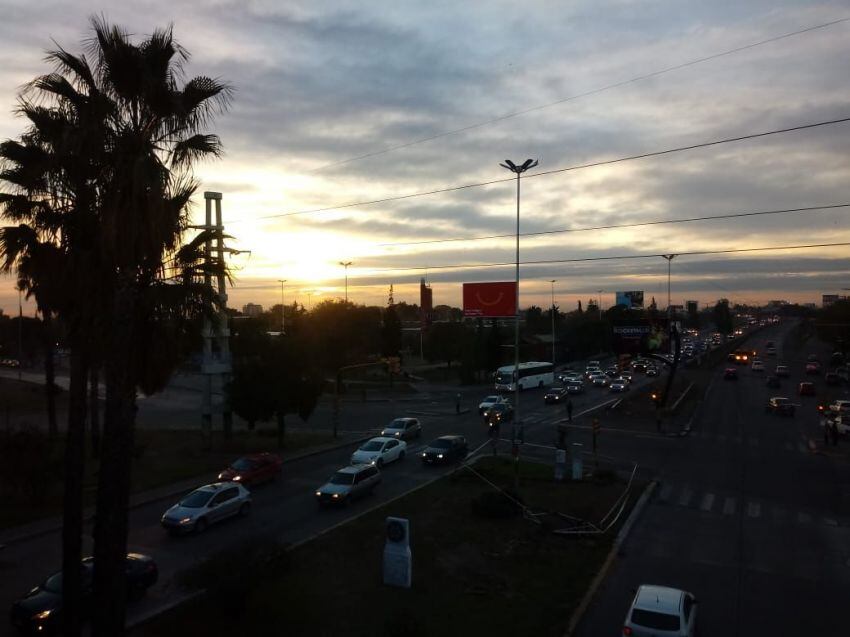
[(831, 378), (403, 429), (612, 372), (40, 610), (806, 389), (592, 371), (659, 610), (639, 367), (730, 373), (349, 483), (840, 407), (207, 505), (626, 376), (652, 371), (773, 381), (445, 449), (489, 401), (780, 405), (836, 359), (575, 387), (566, 377), (813, 368), (380, 451), (619, 385), (812, 358), (594, 364), (503, 412), (782, 371), (757, 366), (600, 380), (771, 351), (555, 395), (253, 469)]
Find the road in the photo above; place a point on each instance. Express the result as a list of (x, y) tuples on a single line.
[(286, 510), (751, 514)]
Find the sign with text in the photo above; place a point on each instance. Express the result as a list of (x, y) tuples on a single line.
[(630, 299), (489, 300), (641, 337)]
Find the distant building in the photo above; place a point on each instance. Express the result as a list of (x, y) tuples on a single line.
[(776, 303), (252, 310), (829, 299), (810, 305), (426, 304)]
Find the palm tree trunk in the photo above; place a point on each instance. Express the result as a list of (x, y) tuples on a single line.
[(94, 411), (72, 503), (113, 489), (49, 373)]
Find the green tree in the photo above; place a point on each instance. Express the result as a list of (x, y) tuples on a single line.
[(390, 333), (722, 317)]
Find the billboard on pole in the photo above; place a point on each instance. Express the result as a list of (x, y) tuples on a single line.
[(630, 299), (489, 300), (641, 336)]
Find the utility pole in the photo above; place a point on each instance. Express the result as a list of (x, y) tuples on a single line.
[(518, 170), (552, 281), (599, 302), (345, 264), (669, 258), (282, 308), (20, 332)]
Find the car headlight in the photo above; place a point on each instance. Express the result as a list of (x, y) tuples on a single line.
[(185, 520), (318, 494), (43, 614), (335, 496), (372, 462), (221, 476), (440, 456), (237, 478), (424, 454)]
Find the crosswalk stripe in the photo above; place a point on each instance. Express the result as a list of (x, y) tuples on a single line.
[(729, 506), (685, 497), (753, 509), (707, 502), (664, 494), (803, 518)]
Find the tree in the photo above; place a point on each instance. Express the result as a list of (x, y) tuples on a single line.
[(390, 333), (722, 317), (444, 342)]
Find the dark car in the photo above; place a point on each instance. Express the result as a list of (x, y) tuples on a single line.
[(39, 612), (730, 373), (555, 395), (780, 405), (503, 412), (445, 449), (575, 387), (806, 389), (773, 381), (813, 368), (253, 469), (651, 371), (832, 378)]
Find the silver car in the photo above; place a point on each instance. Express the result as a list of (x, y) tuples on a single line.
[(349, 483), (659, 611), (206, 506), (403, 429)]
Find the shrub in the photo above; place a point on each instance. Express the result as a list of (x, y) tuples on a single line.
[(497, 505)]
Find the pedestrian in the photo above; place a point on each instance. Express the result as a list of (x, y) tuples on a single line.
[(569, 409), (457, 403)]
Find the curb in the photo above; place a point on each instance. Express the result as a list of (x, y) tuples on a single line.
[(171, 604), (165, 495), (579, 612)]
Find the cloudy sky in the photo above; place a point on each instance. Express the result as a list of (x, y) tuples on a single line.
[(334, 99)]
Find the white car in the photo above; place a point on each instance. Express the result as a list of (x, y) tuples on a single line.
[(758, 366), (840, 407), (659, 611), (488, 402), (403, 429), (380, 451), (205, 506)]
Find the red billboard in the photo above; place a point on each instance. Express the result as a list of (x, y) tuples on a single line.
[(489, 300)]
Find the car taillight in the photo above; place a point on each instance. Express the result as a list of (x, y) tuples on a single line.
[(627, 631)]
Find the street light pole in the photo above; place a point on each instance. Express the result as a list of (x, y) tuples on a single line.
[(552, 281), (669, 258), (282, 308), (599, 302), (518, 170), (345, 264)]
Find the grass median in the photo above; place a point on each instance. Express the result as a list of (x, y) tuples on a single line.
[(479, 567)]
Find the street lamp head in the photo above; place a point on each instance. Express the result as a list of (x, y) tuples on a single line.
[(528, 163)]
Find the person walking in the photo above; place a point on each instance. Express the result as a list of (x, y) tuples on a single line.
[(569, 410)]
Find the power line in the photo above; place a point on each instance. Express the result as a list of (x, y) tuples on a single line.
[(621, 225), (604, 162), (474, 266), (595, 91)]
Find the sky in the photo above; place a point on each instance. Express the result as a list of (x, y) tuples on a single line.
[(333, 99)]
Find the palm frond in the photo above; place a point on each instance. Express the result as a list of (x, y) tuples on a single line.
[(185, 152)]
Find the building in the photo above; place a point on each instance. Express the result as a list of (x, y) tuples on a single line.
[(252, 310), (829, 299), (426, 304)]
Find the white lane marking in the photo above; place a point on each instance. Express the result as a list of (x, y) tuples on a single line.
[(830, 522), (707, 502), (729, 506), (753, 509), (803, 518), (685, 497), (664, 494)]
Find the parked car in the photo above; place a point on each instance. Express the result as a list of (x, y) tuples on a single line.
[(773, 381), (780, 405), (253, 469), (730, 373), (489, 401), (403, 429), (503, 412), (757, 366), (207, 505), (39, 612), (619, 385), (806, 389), (782, 371), (555, 395), (445, 449), (379, 451), (659, 610), (575, 387), (349, 483)]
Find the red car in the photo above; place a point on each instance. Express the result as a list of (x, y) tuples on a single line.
[(253, 469), (806, 389), (730, 373)]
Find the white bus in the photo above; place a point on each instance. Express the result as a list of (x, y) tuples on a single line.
[(530, 375)]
